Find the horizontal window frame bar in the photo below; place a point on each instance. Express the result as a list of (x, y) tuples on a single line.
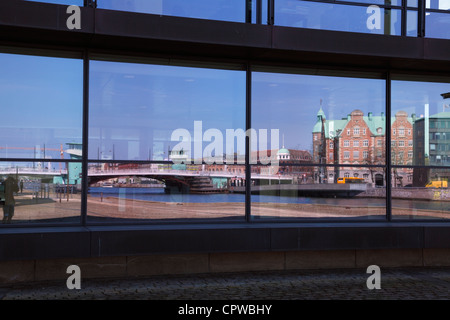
[(323, 165), (109, 161), (356, 4), (419, 167), (436, 11), (31, 160)]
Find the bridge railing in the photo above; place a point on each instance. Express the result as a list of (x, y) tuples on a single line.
[(32, 171), (165, 171)]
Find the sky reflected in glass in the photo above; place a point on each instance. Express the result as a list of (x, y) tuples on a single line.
[(41, 103)]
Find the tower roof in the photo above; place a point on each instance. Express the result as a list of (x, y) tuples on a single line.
[(283, 151), (321, 113)]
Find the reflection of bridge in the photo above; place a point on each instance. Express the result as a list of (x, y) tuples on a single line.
[(42, 173), (187, 180), (185, 173), (202, 181)]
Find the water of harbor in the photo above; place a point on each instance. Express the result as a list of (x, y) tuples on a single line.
[(158, 195)]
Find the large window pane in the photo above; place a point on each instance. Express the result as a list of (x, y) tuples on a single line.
[(182, 121), (230, 10), (154, 192), (40, 192), (347, 193), (437, 25), (424, 193), (311, 121), (328, 16), (41, 99)]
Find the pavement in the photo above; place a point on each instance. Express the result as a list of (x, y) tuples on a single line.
[(336, 284)]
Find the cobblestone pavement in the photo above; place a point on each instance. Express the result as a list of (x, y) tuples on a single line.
[(341, 284)]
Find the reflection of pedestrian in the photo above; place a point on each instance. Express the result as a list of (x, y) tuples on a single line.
[(10, 185)]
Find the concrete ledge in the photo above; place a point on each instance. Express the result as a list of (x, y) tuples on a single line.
[(17, 271), (320, 259), (389, 258), (167, 264), (253, 261), (436, 257), (160, 264), (55, 269)]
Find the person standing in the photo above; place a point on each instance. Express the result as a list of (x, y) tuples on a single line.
[(11, 187)]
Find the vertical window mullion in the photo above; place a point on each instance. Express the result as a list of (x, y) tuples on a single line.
[(421, 18), (248, 125), (248, 11), (404, 18), (84, 166), (388, 148), (271, 12)]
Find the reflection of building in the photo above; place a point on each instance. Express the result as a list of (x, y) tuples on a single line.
[(432, 140), (74, 168), (179, 158), (271, 162), (284, 162), (360, 140), (431, 146)]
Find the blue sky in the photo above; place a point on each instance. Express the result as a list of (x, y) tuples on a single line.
[(290, 102), (134, 108), (41, 102)]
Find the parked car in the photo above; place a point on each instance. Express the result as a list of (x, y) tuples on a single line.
[(437, 184)]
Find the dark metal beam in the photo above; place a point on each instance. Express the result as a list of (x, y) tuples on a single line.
[(101, 241), (28, 24)]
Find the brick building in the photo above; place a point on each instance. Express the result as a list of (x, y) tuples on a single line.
[(272, 162), (360, 140)]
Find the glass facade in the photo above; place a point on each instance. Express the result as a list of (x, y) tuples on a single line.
[(393, 17), (168, 143), (41, 103), (317, 124), (141, 140), (180, 122)]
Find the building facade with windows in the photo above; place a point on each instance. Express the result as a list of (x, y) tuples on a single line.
[(360, 140), (131, 84)]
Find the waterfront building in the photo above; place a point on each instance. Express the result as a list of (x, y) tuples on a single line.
[(359, 139), (431, 147), (74, 150)]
